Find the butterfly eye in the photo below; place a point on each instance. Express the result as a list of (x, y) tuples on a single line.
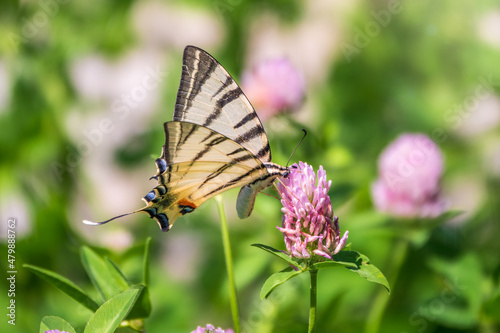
[(286, 174)]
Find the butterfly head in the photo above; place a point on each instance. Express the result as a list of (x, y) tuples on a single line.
[(287, 172)]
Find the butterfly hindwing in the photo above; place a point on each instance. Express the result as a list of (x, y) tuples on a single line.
[(200, 164), (209, 96)]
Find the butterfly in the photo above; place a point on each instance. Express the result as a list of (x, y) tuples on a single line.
[(215, 142)]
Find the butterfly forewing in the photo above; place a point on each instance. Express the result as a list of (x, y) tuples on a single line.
[(208, 96)]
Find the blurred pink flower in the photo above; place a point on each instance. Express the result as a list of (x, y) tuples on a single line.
[(55, 331), (409, 171), (308, 225), (209, 328), (273, 86)]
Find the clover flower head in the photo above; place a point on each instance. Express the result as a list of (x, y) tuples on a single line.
[(409, 171), (308, 224), (209, 328), (55, 331), (273, 86)]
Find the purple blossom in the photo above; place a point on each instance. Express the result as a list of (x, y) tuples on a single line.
[(308, 224), (55, 331), (409, 171), (273, 86), (209, 328)]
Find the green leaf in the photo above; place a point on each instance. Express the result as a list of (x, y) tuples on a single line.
[(344, 258), (142, 307), (55, 323), (362, 267), (65, 285), (145, 266), (277, 279), (332, 263), (461, 278), (104, 277), (279, 254), (492, 308), (113, 312), (118, 275)]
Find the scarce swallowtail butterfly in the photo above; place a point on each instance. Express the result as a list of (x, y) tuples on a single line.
[(215, 142)]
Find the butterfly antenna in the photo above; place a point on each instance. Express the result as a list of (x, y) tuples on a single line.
[(104, 222), (297, 146)]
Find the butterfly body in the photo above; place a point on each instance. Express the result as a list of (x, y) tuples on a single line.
[(215, 142)]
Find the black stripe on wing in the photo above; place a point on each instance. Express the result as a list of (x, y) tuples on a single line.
[(222, 102), (229, 81), (246, 119), (250, 134), (234, 162), (208, 147), (196, 70), (238, 179)]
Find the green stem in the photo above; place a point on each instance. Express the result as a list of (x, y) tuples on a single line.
[(312, 309), (382, 298), (229, 265)]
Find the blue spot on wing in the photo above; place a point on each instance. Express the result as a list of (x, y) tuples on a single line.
[(162, 221), (185, 209), (150, 196), (161, 165)]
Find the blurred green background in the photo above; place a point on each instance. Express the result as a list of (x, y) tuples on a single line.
[(373, 70)]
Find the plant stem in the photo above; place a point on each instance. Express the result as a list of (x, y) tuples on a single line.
[(313, 296), (382, 298), (229, 264)]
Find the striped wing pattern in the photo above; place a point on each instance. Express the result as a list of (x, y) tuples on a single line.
[(200, 163), (208, 96), (215, 142)]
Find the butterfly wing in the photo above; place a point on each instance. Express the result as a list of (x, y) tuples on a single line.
[(216, 142), (208, 96), (200, 163)]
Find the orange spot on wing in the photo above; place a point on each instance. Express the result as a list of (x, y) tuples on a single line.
[(185, 202)]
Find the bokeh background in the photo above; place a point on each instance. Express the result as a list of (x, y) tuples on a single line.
[(74, 147)]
